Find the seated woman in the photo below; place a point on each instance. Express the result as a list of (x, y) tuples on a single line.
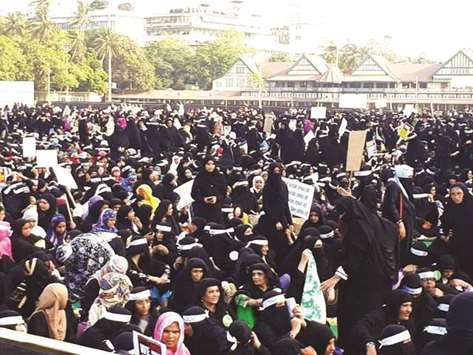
[(275, 322), (185, 293), (143, 314), (250, 296), (169, 330), (114, 321), (367, 331), (49, 319), (212, 300), (396, 340)]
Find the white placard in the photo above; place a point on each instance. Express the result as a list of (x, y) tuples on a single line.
[(409, 110), (184, 192), (143, 345), (356, 144), (64, 177), (300, 197), (318, 112), (343, 127), (29, 147), (46, 158), (371, 148), (268, 122), (404, 171), (353, 101)]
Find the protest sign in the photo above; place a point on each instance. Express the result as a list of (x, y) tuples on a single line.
[(353, 101), (300, 197), (356, 144), (46, 158), (184, 192), (318, 112), (29, 147), (64, 177), (143, 345), (371, 148)]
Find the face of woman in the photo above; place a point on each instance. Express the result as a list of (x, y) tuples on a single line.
[(2, 215), (456, 194), (259, 278), (131, 215), (330, 349), (142, 307), (26, 230), (111, 222), (197, 274), (43, 205), (470, 174), (264, 250), (171, 336), (314, 217), (212, 295), (61, 228), (237, 212), (188, 174), (405, 311), (248, 232), (169, 211), (210, 166), (259, 184)]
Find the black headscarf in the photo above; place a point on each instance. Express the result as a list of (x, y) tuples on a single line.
[(44, 217)]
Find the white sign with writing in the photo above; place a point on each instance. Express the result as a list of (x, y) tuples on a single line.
[(300, 197), (371, 148)]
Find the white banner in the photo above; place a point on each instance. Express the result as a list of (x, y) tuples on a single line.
[(29, 147), (318, 112), (64, 177), (184, 192), (353, 101), (46, 158), (300, 197)]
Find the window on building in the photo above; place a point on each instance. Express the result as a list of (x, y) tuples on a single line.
[(241, 83), (303, 84), (290, 84), (423, 85), (229, 82), (240, 70)]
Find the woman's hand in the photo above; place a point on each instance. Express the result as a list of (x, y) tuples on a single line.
[(279, 226), (330, 283)]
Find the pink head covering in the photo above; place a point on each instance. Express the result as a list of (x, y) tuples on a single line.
[(5, 242), (164, 321)]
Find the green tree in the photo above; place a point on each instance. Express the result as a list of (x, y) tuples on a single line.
[(172, 61), (330, 53), (43, 29), (13, 64), (80, 22), (15, 24), (214, 59)]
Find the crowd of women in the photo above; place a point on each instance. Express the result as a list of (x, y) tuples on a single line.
[(382, 265)]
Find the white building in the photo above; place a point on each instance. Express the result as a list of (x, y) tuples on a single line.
[(204, 23)]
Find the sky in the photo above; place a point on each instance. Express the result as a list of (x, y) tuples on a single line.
[(434, 28)]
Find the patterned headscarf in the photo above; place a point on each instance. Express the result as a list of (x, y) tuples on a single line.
[(105, 216), (115, 289)]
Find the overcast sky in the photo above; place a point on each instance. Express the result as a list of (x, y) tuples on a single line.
[(436, 28)]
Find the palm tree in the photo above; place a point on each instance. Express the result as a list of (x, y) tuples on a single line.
[(15, 24), (107, 45), (43, 28), (80, 23)]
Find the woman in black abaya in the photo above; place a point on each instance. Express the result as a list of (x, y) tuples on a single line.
[(208, 191), (370, 264), (458, 218), (277, 221)]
